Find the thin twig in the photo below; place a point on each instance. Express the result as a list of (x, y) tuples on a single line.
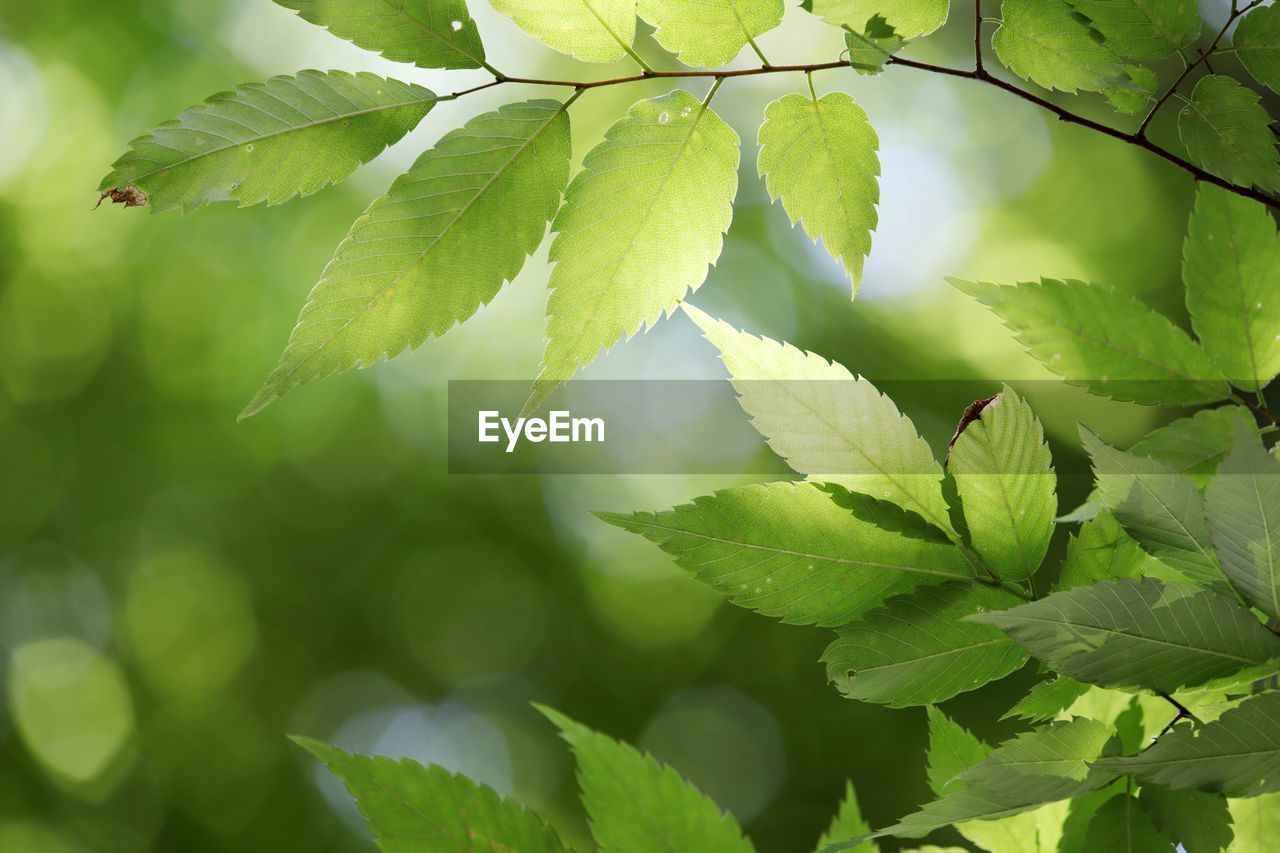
[(977, 36)]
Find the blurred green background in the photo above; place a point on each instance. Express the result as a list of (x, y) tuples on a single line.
[(178, 592)]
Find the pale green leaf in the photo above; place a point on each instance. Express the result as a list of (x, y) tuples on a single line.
[(1158, 507), (638, 805), (1238, 754), (1227, 131), (818, 156), (412, 808), (589, 30), (1139, 634), (909, 18), (1101, 551), (1256, 822), (1004, 476), (788, 550), (915, 650), (848, 823), (708, 33), (1047, 700), (870, 48), (1195, 445), (1257, 45), (1136, 92), (428, 33), (640, 224), (1242, 505), (1198, 821), (1143, 29), (270, 141), (953, 749), (1121, 826), (1044, 41), (1104, 339), (829, 424), (1231, 266), (436, 247)]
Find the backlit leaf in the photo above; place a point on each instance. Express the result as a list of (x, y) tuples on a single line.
[(1195, 445), (1044, 41), (909, 18), (1242, 505), (709, 32), (589, 30), (1227, 131), (428, 33), (1143, 29)]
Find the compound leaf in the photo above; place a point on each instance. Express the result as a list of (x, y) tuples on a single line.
[(1242, 505), (1227, 131), (818, 156), (915, 650), (640, 224), (436, 247), (428, 33), (709, 32), (788, 550), (270, 141), (1257, 45), (411, 808), (1139, 634), (1143, 29), (589, 30), (1105, 339)]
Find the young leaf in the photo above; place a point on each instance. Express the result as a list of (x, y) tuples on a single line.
[(412, 808), (1255, 821), (1139, 634), (428, 33), (1120, 825), (787, 550), (818, 156), (270, 141), (1194, 446), (1242, 505), (1143, 29), (709, 32), (1238, 754), (872, 47), (952, 750), (1231, 266), (1044, 41), (848, 823), (1161, 509), (589, 30), (1101, 551), (1257, 45), (639, 226), (637, 804), (829, 424), (436, 247), (1227, 131), (1197, 821), (1047, 700), (1004, 476), (915, 650), (909, 18), (1105, 339)]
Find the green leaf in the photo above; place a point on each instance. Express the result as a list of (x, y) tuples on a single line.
[(787, 550), (872, 47), (1139, 634), (270, 141), (1257, 45), (1041, 766), (709, 32), (1227, 131), (428, 33), (1044, 41), (1242, 505), (436, 247), (412, 808), (909, 18), (829, 424), (848, 823), (589, 30), (1121, 826), (1194, 446), (1004, 477), (1143, 29), (1104, 339), (1101, 551), (952, 750), (1198, 821), (1256, 821), (637, 804), (818, 156), (915, 650), (1161, 509), (1238, 754), (1231, 266), (1047, 700), (639, 226)]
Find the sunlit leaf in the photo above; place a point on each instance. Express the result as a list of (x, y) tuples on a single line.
[(1255, 821), (1044, 41), (589, 30), (709, 32), (1100, 551), (1143, 29), (1227, 131), (1242, 505), (428, 33), (871, 47), (909, 18)]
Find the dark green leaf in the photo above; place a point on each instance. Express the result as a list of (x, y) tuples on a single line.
[(1121, 826), (1227, 131), (1242, 504), (1257, 45), (1047, 700), (1199, 822)]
